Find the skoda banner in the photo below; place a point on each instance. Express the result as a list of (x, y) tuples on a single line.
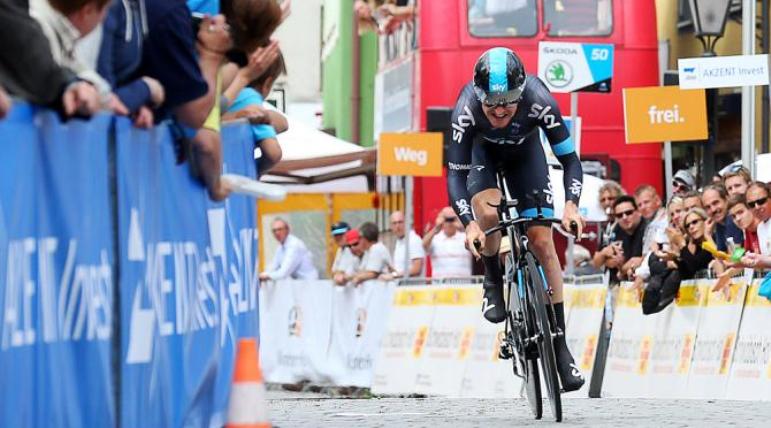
[(575, 67)]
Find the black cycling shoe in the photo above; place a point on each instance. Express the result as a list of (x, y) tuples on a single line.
[(570, 375), (493, 305)]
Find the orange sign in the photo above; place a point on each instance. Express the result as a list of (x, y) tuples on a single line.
[(417, 154), (664, 113)]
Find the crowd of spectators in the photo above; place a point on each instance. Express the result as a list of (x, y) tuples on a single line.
[(192, 63), (700, 231)]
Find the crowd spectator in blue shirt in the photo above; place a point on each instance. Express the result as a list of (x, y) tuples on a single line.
[(715, 200), (253, 95), (120, 55)]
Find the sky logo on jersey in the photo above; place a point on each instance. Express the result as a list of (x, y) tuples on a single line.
[(542, 113), (464, 120)]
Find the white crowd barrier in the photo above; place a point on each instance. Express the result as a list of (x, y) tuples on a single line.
[(314, 331), (705, 345)]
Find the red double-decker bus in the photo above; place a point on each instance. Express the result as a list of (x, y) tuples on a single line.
[(453, 33)]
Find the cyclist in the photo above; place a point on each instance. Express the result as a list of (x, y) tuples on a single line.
[(495, 127)]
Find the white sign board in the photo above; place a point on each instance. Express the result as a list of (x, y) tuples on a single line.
[(723, 71), (575, 67)]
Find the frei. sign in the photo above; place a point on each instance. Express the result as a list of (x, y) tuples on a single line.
[(664, 113), (417, 154), (723, 71), (575, 67)]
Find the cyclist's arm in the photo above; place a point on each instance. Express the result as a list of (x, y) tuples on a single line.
[(459, 155), (562, 144)]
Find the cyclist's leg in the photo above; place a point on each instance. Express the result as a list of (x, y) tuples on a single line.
[(531, 172), (483, 188)]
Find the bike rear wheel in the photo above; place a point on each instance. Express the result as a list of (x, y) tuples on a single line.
[(531, 378), (536, 291)]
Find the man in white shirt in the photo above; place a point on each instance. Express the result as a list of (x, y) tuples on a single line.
[(446, 245), (417, 254), (292, 258), (375, 260), (759, 202)]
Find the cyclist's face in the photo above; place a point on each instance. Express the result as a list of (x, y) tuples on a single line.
[(499, 116)]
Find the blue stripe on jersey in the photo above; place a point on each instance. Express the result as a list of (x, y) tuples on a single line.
[(498, 82), (533, 213), (564, 148)]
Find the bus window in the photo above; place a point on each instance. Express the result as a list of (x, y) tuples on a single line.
[(578, 17), (502, 18)]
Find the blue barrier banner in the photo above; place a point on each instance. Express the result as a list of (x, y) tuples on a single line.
[(188, 280), (56, 267)]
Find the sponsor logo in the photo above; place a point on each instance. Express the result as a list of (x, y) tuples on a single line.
[(458, 166), (464, 120), (542, 113), (575, 187), (559, 73), (658, 115), (689, 69), (549, 192), (361, 321), (479, 167), (295, 321), (561, 51), (486, 306), (463, 207), (505, 141), (420, 341), (498, 87)]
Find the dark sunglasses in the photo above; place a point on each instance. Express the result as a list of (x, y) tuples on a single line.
[(757, 202), (623, 214), (676, 184), (449, 219), (692, 222), (278, 229), (353, 244)]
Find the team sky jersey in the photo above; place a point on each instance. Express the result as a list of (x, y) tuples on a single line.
[(537, 109)]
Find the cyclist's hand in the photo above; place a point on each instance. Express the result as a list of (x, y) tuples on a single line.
[(474, 233), (570, 216)]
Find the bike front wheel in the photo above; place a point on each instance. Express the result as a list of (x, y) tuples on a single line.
[(536, 292)]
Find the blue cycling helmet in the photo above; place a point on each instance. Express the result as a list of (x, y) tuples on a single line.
[(499, 77)]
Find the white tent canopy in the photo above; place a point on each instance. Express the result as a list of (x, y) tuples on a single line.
[(316, 162)]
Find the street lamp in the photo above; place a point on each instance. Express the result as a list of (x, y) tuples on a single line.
[(709, 18)]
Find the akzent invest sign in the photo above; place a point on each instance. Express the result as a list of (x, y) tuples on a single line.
[(723, 71), (664, 114)]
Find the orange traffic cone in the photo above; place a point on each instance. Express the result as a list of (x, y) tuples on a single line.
[(246, 408)]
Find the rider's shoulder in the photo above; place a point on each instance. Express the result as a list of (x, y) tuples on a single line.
[(535, 89)]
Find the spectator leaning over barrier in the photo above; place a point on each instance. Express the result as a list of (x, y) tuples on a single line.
[(649, 203), (608, 193), (660, 242), (417, 254), (5, 103), (736, 180), (582, 259), (35, 76), (759, 202), (64, 23), (346, 274), (692, 200), (683, 182), (720, 226), (265, 66), (344, 260), (120, 55), (375, 260), (682, 260), (445, 243), (624, 253), (746, 221), (292, 258)]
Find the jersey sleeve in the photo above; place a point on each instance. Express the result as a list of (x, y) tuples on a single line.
[(459, 154), (547, 113)]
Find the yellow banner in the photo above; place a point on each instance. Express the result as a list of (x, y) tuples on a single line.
[(664, 113), (417, 154)]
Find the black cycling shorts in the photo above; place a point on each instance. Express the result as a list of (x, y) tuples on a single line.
[(524, 169)]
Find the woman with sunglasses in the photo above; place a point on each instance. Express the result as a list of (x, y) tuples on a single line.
[(684, 259), (496, 127)]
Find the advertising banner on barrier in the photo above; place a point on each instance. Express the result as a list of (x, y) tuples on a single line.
[(56, 277), (715, 340), (631, 343), (295, 320), (359, 316), (188, 275), (456, 312), (584, 305), (674, 342), (750, 377), (403, 344)]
